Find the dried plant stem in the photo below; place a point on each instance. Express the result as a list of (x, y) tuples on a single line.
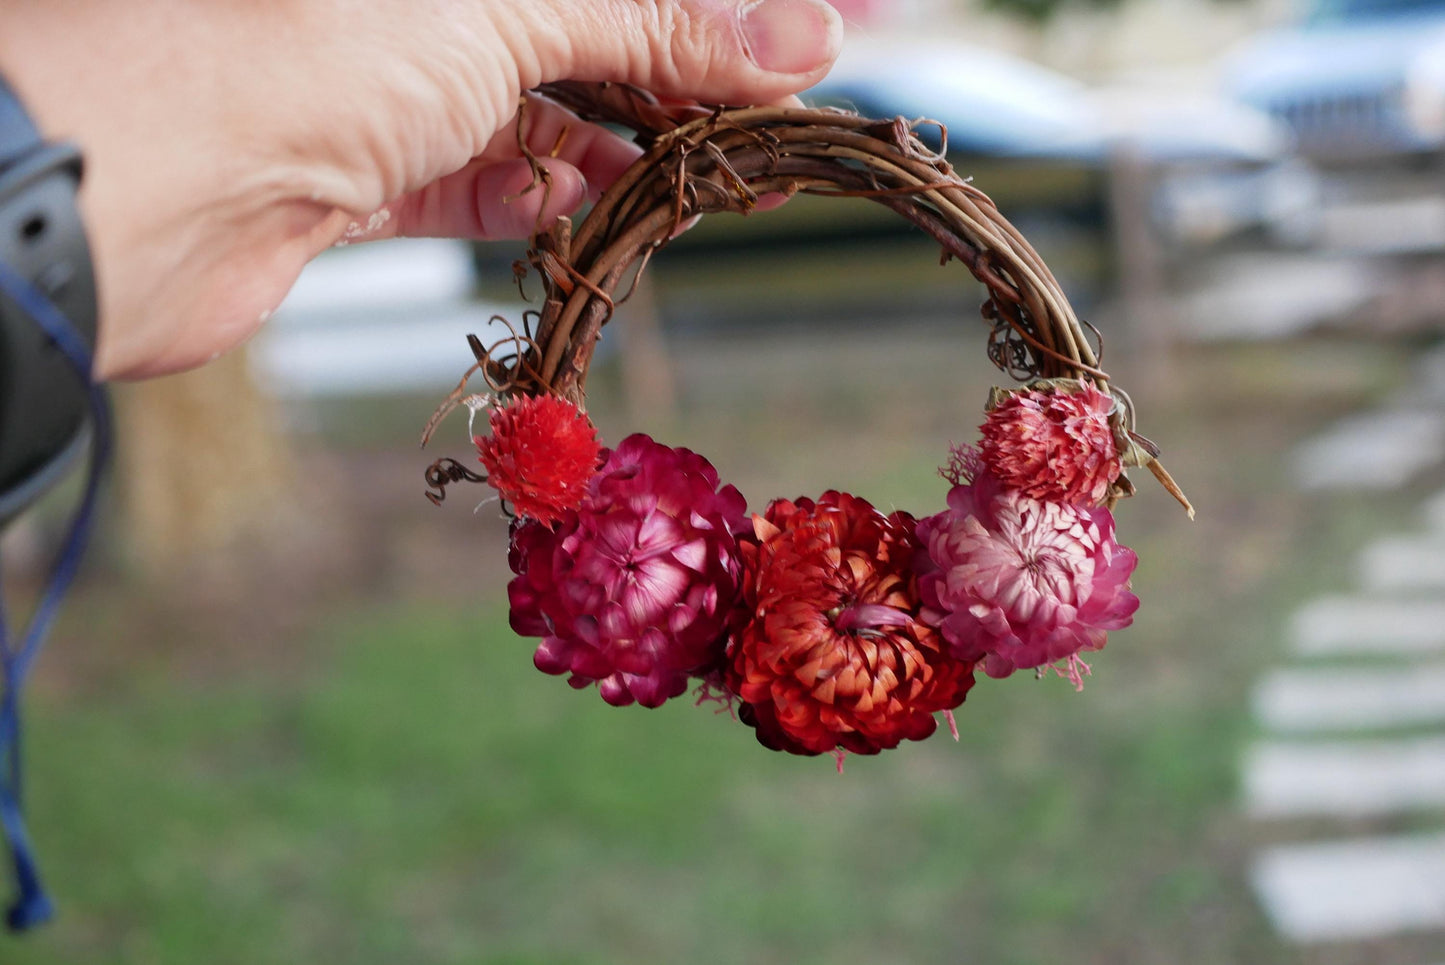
[(1162, 474)]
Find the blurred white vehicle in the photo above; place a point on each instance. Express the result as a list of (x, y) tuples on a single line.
[(992, 104), (1355, 79), (1221, 167), (1425, 92)]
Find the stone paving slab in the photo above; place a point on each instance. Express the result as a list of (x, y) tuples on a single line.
[(1320, 699), (1404, 563), (383, 317), (404, 274), (1353, 890), (1434, 513), (390, 352), (1368, 625), (1276, 295), (1373, 450), (1344, 779)]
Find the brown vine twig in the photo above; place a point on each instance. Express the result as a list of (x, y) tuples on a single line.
[(699, 160)]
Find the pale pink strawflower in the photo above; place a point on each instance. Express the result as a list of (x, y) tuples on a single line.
[(1014, 582), (633, 590), (1053, 443)]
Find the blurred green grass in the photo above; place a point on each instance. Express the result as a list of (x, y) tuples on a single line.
[(412, 790), (431, 798)]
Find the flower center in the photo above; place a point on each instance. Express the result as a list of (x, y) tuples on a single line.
[(1051, 554), (862, 617)]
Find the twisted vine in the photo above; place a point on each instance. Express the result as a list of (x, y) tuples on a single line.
[(701, 161)]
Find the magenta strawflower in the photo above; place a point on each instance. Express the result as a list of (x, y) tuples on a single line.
[(633, 589), (1052, 442), (1015, 582)]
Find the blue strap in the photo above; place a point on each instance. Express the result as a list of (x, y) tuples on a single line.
[(32, 906)]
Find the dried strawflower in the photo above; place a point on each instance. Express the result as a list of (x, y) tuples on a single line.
[(1052, 442), (540, 455), (634, 588), (832, 654), (1017, 582)]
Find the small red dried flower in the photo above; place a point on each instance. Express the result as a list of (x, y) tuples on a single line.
[(540, 455), (831, 654), (1053, 443)]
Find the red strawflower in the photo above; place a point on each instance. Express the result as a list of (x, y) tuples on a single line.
[(633, 590), (540, 455), (1016, 582), (1053, 443), (832, 654)]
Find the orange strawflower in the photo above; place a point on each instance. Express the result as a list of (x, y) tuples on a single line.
[(830, 655)]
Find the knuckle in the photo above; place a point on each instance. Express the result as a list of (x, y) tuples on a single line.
[(702, 42)]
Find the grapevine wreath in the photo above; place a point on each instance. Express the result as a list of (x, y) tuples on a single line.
[(827, 624)]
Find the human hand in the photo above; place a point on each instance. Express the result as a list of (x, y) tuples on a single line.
[(228, 143)]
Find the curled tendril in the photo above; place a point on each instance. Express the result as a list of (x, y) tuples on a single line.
[(1009, 354), (443, 473)]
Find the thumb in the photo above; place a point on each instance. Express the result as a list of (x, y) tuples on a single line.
[(716, 51)]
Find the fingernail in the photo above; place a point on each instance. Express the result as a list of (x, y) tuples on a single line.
[(791, 36)]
